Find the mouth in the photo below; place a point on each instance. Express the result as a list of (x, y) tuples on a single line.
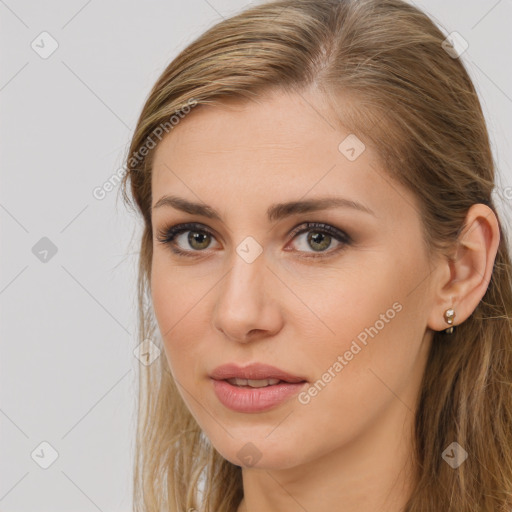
[(254, 388)]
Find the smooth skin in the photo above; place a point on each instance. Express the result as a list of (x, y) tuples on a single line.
[(349, 447)]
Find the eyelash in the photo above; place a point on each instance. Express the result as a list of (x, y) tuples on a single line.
[(167, 235)]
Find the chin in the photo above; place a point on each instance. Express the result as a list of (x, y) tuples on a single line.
[(260, 453)]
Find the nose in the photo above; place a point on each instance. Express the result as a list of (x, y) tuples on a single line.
[(247, 307)]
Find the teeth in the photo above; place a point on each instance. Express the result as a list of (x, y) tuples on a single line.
[(253, 383)]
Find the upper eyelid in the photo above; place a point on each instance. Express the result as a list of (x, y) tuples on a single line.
[(198, 226)]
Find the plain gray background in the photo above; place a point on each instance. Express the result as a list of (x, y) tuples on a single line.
[(68, 324)]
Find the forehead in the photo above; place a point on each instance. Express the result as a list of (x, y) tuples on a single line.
[(278, 121), (278, 147)]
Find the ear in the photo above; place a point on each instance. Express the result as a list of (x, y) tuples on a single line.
[(466, 276)]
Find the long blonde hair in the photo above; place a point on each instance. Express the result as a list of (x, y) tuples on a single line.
[(418, 107)]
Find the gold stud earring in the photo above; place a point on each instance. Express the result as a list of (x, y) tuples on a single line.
[(449, 315)]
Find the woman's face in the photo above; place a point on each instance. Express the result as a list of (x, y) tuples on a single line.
[(342, 306)]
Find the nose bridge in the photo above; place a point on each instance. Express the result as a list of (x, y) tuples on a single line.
[(243, 303), (246, 279)]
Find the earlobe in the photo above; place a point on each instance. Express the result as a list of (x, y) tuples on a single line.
[(469, 271)]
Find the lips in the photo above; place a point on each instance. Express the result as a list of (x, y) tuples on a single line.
[(255, 388), (254, 371)]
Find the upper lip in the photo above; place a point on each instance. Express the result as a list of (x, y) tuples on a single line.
[(254, 371)]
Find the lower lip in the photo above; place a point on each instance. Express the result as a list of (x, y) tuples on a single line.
[(254, 399)]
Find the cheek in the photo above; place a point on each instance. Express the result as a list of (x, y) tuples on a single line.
[(164, 298), (369, 352), (180, 305), (170, 303), (174, 295), (369, 298), (356, 302)]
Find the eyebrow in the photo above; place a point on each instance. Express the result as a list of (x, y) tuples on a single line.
[(274, 213)]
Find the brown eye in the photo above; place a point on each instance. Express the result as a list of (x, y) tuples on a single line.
[(191, 239), (200, 238), (319, 238), (197, 240)]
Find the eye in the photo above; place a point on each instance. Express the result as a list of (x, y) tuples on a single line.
[(196, 237), (319, 238)]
